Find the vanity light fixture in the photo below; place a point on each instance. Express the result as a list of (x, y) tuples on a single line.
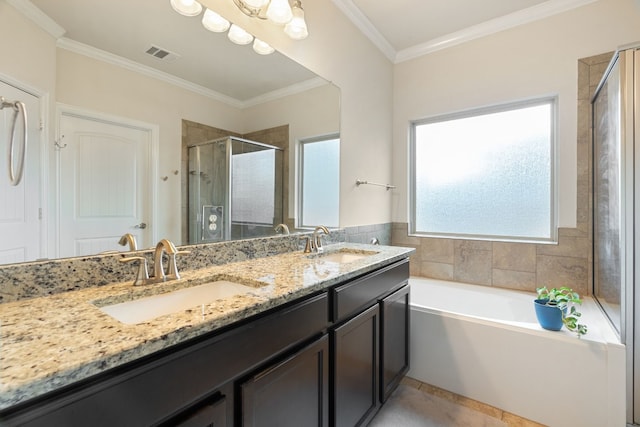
[(261, 47), (214, 22), (279, 12), (238, 35), (296, 28), (187, 7)]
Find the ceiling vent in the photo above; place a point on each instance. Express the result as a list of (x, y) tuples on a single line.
[(162, 54)]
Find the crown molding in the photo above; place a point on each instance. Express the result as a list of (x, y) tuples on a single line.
[(366, 27), (101, 55), (287, 91), (38, 17), (524, 16)]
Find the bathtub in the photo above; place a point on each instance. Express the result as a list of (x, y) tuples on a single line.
[(485, 343)]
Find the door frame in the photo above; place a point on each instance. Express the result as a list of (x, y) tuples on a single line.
[(43, 120), (84, 113)]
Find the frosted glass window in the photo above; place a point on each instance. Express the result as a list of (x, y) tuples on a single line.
[(319, 182), (486, 173)]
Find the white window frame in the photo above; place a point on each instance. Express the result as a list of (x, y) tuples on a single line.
[(553, 220), (300, 177)]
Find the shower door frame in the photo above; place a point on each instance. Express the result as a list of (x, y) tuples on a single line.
[(629, 104), (632, 319)]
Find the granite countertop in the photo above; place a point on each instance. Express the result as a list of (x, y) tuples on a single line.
[(53, 341)]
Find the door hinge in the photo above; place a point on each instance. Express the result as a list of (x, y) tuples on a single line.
[(39, 213), (41, 125)]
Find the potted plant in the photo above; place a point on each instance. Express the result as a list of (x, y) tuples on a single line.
[(552, 306)]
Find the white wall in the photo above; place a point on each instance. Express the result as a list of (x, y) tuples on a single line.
[(532, 60)]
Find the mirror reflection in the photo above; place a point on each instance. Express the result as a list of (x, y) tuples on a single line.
[(234, 191), (110, 153)]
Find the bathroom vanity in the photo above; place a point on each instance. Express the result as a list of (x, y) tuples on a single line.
[(323, 341)]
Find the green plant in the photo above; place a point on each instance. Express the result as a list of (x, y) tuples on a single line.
[(565, 299)]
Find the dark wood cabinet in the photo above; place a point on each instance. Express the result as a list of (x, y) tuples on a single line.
[(327, 359), (291, 393), (355, 362), (394, 340), (211, 412)]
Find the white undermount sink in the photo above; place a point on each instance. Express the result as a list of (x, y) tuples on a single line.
[(147, 308), (344, 256)]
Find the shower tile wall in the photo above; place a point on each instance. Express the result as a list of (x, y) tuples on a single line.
[(193, 132), (524, 266)]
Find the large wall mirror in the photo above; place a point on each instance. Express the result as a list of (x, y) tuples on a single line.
[(164, 81)]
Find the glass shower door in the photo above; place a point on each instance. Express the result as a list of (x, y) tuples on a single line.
[(608, 262), (208, 195)]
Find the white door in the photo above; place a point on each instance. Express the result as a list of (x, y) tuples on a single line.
[(104, 184), (20, 224)]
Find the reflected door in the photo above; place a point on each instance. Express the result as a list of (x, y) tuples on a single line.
[(20, 224), (104, 180)]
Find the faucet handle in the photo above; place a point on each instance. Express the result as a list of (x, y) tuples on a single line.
[(142, 275), (309, 245), (172, 272)]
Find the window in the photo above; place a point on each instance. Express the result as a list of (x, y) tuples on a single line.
[(319, 185), (486, 173)]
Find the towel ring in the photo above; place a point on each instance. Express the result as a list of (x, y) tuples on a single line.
[(16, 172)]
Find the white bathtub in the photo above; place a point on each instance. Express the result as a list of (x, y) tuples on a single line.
[(485, 344)]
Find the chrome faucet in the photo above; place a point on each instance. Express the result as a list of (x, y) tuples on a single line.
[(129, 239), (283, 227), (160, 274)]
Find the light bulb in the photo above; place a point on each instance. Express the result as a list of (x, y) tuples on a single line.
[(238, 35), (186, 7), (279, 11), (261, 47), (255, 4), (214, 22), (297, 27)]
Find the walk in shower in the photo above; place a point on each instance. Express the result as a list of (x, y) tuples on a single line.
[(235, 190)]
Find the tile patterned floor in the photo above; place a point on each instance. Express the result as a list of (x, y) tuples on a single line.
[(423, 405)]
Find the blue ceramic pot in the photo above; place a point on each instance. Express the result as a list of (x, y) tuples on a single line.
[(549, 316)]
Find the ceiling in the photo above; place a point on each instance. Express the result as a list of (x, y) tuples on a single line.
[(209, 63)]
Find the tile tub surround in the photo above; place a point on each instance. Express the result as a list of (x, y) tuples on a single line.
[(52, 341)]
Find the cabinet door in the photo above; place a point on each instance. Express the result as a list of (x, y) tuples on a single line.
[(355, 399), (394, 341), (291, 393)]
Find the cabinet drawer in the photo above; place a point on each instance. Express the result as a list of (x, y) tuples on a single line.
[(354, 296)]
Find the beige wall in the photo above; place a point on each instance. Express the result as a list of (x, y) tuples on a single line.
[(20, 36), (105, 88), (339, 52), (27, 59), (108, 89), (532, 60), (311, 113)]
